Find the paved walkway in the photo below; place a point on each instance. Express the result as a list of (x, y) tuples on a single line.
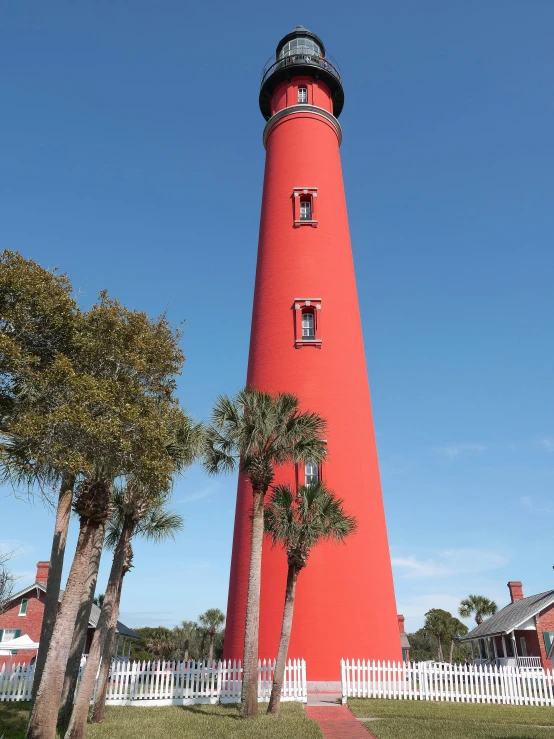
[(337, 722)]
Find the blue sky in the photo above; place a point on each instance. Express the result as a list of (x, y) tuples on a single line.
[(132, 159)]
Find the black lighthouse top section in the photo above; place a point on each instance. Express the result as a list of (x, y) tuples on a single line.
[(300, 52)]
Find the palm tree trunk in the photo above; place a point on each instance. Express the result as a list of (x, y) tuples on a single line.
[(81, 629), (249, 697), (439, 655), (212, 637), (286, 628), (44, 714), (99, 707), (78, 722), (61, 527), (451, 650)]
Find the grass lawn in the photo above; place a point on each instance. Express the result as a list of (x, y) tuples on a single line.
[(429, 720), (194, 722)]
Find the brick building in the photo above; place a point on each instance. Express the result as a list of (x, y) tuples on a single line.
[(23, 617), (521, 633), (404, 642)]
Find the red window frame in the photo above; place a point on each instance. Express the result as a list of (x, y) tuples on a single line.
[(301, 306), (302, 194)]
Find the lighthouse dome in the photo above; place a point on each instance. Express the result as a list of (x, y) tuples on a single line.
[(300, 41), (301, 52)]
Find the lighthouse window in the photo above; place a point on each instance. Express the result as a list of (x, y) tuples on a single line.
[(303, 47), (305, 210), (308, 331), (311, 473), (302, 94)]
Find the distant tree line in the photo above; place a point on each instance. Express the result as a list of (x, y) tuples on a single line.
[(192, 640), (439, 639)]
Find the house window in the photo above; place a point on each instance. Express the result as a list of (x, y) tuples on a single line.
[(306, 210), (308, 330), (311, 473), (9, 634), (23, 607), (523, 646), (302, 94), (548, 638)]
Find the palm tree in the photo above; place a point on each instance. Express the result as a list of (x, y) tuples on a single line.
[(478, 605), (158, 525), (258, 431), (437, 621), (136, 512), (212, 620), (81, 630), (92, 505), (456, 629), (20, 469), (298, 522), (83, 394)]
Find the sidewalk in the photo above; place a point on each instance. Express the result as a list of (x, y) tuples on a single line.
[(335, 720)]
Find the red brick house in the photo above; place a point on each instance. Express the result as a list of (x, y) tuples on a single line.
[(24, 617), (404, 643), (521, 633)]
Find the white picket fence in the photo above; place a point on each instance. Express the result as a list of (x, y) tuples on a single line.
[(172, 683), (518, 686)]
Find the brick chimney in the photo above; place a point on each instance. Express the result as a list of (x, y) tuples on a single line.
[(516, 590), (401, 623), (42, 571)]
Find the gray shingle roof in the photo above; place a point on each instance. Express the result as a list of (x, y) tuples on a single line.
[(121, 629), (511, 616), (404, 642)]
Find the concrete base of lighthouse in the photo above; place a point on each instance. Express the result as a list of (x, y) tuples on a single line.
[(318, 686)]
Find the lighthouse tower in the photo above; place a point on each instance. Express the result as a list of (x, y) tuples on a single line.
[(306, 339)]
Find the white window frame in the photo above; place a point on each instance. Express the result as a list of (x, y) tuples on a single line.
[(311, 473), (306, 211), (302, 94), (308, 325), (21, 612), (8, 631)]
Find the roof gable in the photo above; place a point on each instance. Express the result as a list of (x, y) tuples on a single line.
[(34, 586), (121, 629), (512, 616)]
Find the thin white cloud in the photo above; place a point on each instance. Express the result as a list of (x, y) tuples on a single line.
[(547, 444), (412, 567), (15, 546), (206, 492), (454, 450), (528, 502), (448, 562)]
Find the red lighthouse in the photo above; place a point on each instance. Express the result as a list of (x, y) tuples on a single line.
[(307, 339)]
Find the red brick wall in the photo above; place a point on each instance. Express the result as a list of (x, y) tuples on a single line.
[(29, 624), (546, 623), (531, 642)]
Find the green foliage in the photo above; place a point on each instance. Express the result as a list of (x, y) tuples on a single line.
[(445, 628), (258, 431), (299, 521), (424, 647), (160, 642), (144, 512), (94, 397), (478, 606), (212, 620), (192, 722), (449, 720)]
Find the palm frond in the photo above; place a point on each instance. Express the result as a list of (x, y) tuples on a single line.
[(299, 521)]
